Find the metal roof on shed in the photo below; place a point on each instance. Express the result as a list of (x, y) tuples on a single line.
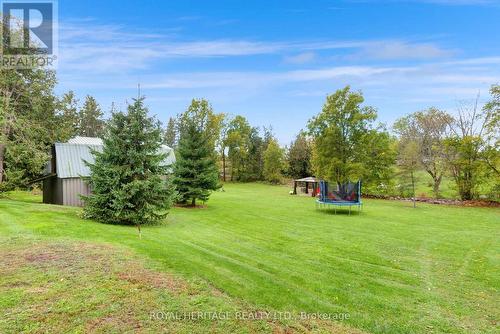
[(70, 158), (85, 140)]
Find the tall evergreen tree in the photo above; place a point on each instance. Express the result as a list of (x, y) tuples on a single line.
[(127, 177), (195, 172), (68, 112), (170, 133), (91, 119)]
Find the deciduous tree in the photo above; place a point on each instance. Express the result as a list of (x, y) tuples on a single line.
[(28, 124), (427, 129), (465, 147), (379, 160), (340, 136), (238, 144), (492, 133), (201, 112), (273, 162), (299, 157)]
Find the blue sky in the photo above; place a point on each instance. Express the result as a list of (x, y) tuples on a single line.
[(275, 61)]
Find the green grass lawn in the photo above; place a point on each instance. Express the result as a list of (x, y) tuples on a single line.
[(392, 268)]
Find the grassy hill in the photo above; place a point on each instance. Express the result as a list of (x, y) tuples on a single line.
[(391, 268)]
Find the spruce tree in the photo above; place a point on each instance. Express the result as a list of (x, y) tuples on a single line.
[(170, 133), (91, 123), (195, 172), (69, 116), (128, 176)]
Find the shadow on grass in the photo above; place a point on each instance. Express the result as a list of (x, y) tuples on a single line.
[(340, 212)]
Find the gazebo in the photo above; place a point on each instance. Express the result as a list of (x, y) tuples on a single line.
[(306, 182)]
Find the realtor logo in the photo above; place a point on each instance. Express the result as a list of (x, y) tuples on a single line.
[(28, 34)]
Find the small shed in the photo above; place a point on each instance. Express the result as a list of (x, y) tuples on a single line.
[(306, 183), (64, 181)]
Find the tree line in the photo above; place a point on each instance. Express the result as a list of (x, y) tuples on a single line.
[(344, 141)]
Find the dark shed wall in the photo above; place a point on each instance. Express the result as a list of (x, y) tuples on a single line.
[(52, 191), (72, 188)]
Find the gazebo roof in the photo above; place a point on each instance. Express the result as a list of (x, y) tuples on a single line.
[(308, 179)]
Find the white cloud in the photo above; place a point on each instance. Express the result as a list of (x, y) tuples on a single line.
[(131, 55), (403, 50), (419, 77), (301, 58), (476, 61), (88, 30), (88, 46)]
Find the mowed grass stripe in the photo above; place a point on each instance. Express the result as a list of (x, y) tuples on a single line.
[(393, 268)]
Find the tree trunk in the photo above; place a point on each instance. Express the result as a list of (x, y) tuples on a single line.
[(467, 192), (413, 189), (223, 166), (139, 229), (2, 158), (193, 202), (435, 186)]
